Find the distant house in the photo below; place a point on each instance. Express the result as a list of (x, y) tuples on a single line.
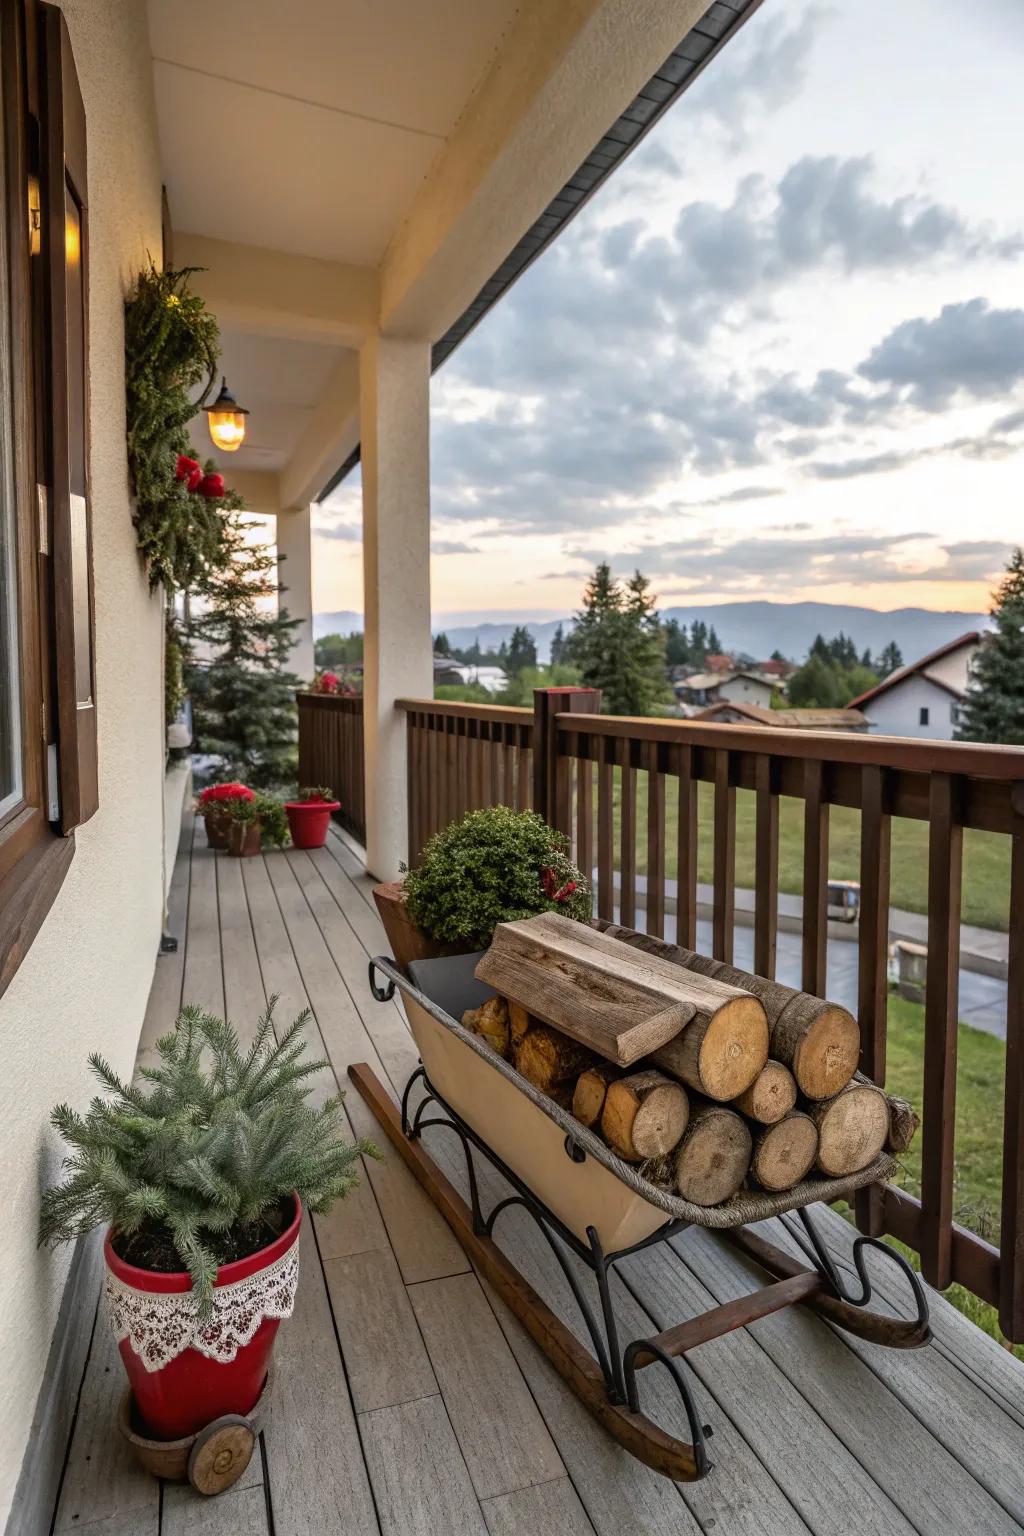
[(449, 671), (923, 699), (773, 667), (719, 662), (784, 719), (704, 688)]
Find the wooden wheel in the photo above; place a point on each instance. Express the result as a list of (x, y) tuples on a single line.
[(220, 1454)]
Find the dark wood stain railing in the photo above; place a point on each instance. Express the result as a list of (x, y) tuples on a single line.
[(580, 770), (331, 752)]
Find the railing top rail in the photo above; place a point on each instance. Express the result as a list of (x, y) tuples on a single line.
[(348, 703), (501, 714), (911, 754)]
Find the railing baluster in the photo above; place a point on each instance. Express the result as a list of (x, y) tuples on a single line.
[(872, 958), (655, 843), (686, 849), (585, 818), (815, 937), (766, 868), (724, 900), (1011, 1288), (945, 864), (524, 773), (605, 834), (627, 836), (495, 759)]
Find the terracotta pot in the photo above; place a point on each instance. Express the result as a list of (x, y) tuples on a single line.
[(181, 1394), (244, 839), (218, 824), (308, 821), (408, 942)]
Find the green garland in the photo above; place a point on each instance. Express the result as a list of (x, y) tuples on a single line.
[(171, 345)]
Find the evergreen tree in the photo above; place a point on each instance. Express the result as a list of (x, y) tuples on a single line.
[(866, 660), (242, 693), (441, 645), (558, 646), (714, 644), (890, 659), (332, 651), (617, 644), (522, 651), (993, 708), (677, 646), (777, 655), (699, 643)]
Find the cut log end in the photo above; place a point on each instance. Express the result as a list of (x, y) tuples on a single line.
[(490, 1022), (770, 1096), (784, 1153), (551, 1060), (852, 1129), (713, 1156), (590, 1091), (820, 1043), (903, 1123), (721, 1054), (644, 1115)]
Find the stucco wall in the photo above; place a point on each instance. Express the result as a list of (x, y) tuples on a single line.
[(896, 712), (83, 985), (746, 690)]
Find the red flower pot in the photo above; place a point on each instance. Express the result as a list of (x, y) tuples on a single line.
[(308, 821), (178, 1391), (244, 839), (218, 825)]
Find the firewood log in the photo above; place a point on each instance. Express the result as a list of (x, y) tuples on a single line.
[(644, 1115), (852, 1128), (551, 1060), (904, 1119), (589, 1094), (819, 1041), (518, 1020), (771, 1095), (712, 1159), (720, 1054), (784, 1153), (490, 1022)]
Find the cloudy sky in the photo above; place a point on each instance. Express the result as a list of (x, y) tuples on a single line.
[(780, 354)]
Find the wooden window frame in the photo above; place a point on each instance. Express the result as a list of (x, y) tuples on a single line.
[(44, 160)]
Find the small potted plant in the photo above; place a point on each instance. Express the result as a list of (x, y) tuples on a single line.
[(493, 866), (310, 815), (214, 805), (254, 823), (201, 1172)]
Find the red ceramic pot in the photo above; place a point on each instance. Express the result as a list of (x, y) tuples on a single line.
[(190, 1389), (308, 821)]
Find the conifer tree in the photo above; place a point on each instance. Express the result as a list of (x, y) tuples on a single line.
[(558, 646), (993, 709), (237, 672), (522, 651), (618, 646), (890, 660)]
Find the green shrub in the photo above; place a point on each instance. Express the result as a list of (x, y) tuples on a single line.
[(197, 1162), (493, 866), (273, 820)]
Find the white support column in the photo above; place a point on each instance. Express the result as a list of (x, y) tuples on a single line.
[(394, 378), (294, 549)]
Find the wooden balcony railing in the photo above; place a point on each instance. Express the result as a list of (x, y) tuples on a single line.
[(583, 772), (331, 752)]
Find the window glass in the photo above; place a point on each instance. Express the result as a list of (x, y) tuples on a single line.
[(10, 701)]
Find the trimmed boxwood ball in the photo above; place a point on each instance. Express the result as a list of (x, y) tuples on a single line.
[(493, 866)]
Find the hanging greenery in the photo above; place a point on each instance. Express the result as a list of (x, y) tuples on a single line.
[(172, 345)]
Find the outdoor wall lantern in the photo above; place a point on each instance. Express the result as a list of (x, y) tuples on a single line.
[(227, 420)]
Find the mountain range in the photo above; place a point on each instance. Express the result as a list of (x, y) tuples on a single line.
[(758, 628)]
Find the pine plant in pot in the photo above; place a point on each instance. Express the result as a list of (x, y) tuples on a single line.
[(492, 866), (201, 1170), (255, 823), (310, 815), (214, 806)]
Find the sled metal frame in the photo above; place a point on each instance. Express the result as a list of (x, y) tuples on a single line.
[(606, 1379)]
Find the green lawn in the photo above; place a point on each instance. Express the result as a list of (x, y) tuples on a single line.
[(981, 1061), (986, 891)]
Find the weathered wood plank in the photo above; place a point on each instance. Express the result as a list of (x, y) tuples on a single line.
[(244, 996), (204, 981), (315, 1465), (187, 1513), (724, 897), (546, 1509), (605, 831), (103, 1480), (505, 1449), (686, 848), (366, 923), (385, 1360), (766, 871), (926, 1483), (419, 1478)]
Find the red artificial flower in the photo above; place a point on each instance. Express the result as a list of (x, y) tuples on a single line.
[(328, 682), (210, 486), (216, 794), (565, 892), (552, 890), (186, 468)]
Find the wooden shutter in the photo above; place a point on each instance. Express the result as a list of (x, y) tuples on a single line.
[(66, 232)]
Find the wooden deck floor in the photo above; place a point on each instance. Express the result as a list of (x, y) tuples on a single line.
[(409, 1402)]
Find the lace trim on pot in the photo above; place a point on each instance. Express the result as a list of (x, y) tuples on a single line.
[(162, 1325)]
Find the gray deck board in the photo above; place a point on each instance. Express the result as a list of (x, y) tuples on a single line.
[(407, 1399)]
